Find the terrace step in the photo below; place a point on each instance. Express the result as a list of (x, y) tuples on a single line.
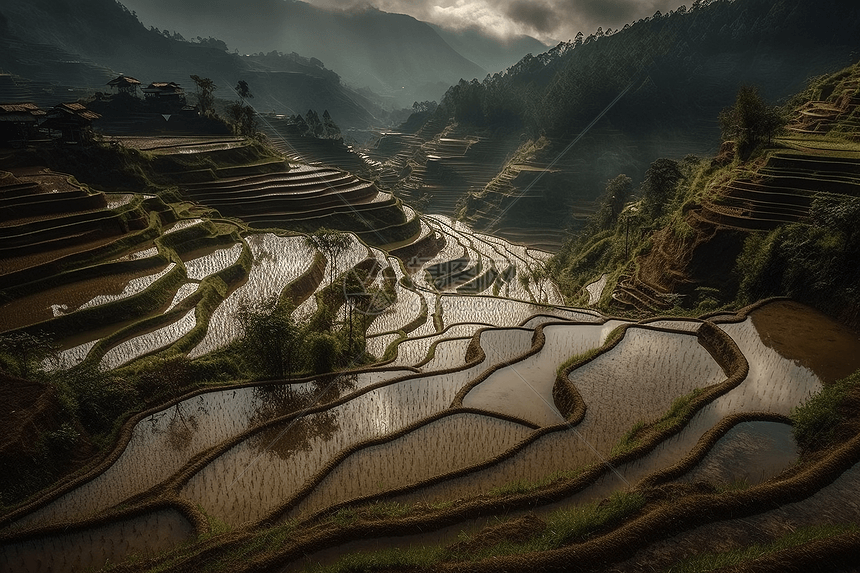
[(734, 218)]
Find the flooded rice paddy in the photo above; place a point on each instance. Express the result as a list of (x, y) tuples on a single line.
[(467, 405)]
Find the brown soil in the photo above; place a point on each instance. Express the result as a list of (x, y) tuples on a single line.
[(11, 265), (677, 264), (515, 531), (51, 181), (37, 308), (26, 407), (813, 339)]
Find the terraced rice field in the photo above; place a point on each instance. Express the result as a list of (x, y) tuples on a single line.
[(481, 381)]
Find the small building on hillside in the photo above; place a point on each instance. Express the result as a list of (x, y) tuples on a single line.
[(19, 122), (73, 121), (164, 90), (125, 85)]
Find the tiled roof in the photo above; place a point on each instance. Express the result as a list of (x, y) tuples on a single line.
[(78, 110), (22, 110), (124, 80)]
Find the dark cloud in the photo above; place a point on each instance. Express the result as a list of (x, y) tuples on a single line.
[(588, 15), (535, 15), (548, 20)]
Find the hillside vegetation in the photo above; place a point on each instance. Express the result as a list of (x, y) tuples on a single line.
[(766, 217), (613, 102), (389, 382), (88, 43)]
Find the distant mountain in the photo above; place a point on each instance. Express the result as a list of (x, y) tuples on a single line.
[(82, 42), (491, 53), (588, 110), (393, 55)]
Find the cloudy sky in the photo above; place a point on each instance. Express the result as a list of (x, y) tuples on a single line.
[(547, 20)]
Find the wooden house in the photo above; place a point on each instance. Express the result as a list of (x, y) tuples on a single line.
[(164, 90), (19, 122), (125, 85), (71, 120)]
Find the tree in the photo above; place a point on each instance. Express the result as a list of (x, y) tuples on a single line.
[(243, 91), (205, 93), (244, 116), (538, 274), (271, 337), (333, 243), (24, 355), (658, 188), (615, 196), (249, 121), (750, 121), (315, 125), (330, 128)]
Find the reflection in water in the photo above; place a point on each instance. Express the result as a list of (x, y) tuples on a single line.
[(181, 423), (95, 547), (278, 400)]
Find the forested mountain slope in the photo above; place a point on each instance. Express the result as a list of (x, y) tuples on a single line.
[(614, 103), (104, 39), (394, 55), (773, 215)]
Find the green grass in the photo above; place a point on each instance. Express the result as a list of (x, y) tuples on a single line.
[(568, 526), (563, 528), (814, 423), (628, 441), (679, 409), (524, 486), (577, 358), (386, 559), (744, 555)]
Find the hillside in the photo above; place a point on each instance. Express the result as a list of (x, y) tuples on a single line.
[(103, 39), (491, 53), (220, 355), (400, 58), (613, 104), (421, 388), (730, 230)]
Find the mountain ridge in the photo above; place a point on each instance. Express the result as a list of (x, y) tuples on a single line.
[(113, 39), (395, 55)]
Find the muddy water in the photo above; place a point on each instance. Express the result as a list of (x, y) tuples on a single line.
[(525, 388), (277, 262), (774, 384), (201, 264), (448, 354), (637, 380), (444, 446), (62, 300), (414, 350), (262, 472), (149, 342), (751, 453), (501, 312), (376, 345), (405, 309), (94, 548), (163, 442), (258, 474), (813, 339)]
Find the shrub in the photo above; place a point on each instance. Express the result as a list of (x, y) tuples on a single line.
[(101, 397), (814, 423)]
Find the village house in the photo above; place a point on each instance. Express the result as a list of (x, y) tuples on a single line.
[(125, 85), (72, 120), (19, 123)]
